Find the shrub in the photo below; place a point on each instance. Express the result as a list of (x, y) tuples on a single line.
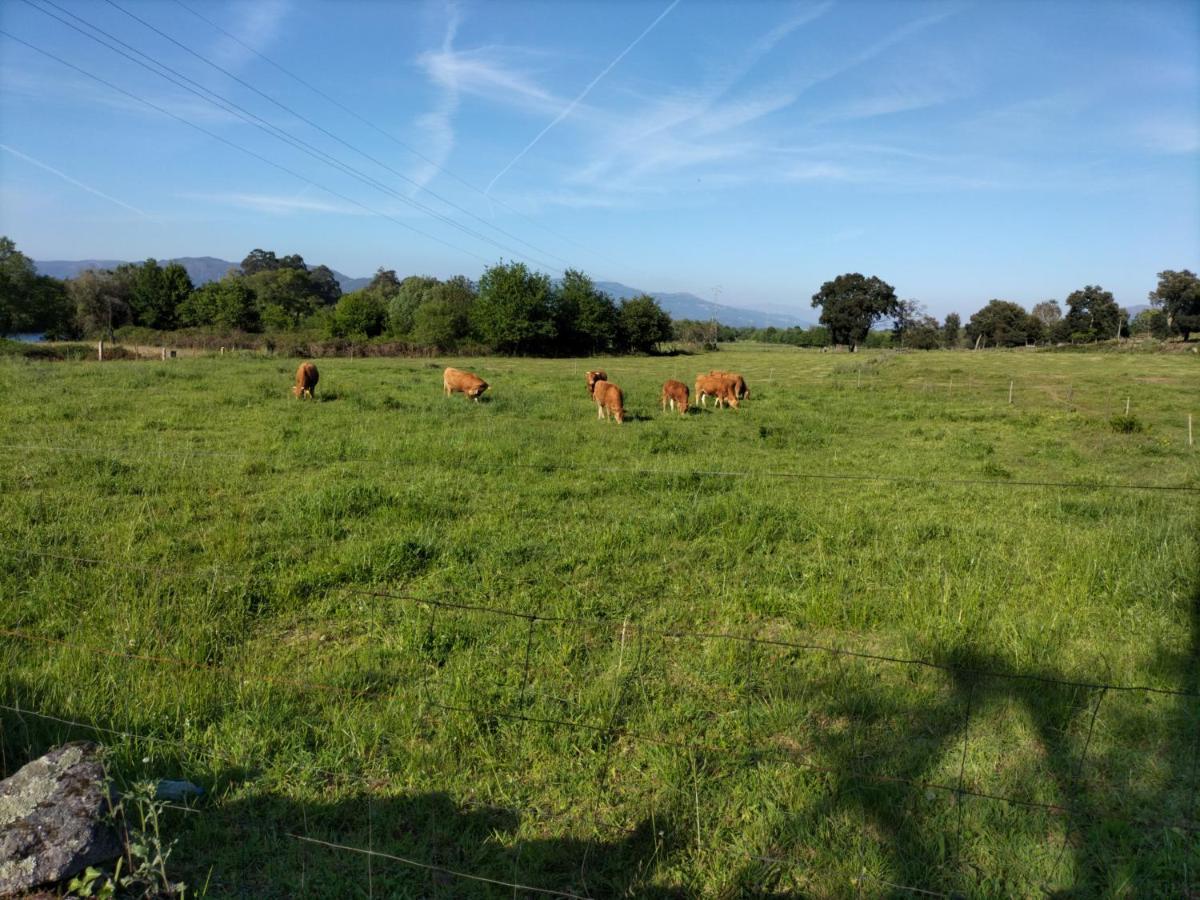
[(1126, 424)]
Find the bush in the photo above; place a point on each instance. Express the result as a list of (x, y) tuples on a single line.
[(1123, 424)]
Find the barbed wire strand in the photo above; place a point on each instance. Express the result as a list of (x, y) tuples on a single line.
[(778, 642), (547, 466), (435, 868)]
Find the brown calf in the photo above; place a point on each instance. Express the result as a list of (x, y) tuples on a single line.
[(676, 394), (457, 381), (739, 383), (306, 381), (721, 387), (609, 400), (593, 377)]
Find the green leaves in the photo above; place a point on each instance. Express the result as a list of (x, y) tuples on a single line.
[(852, 303)]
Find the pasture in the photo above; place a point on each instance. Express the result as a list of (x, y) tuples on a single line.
[(307, 608)]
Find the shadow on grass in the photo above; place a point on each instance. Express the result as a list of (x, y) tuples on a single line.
[(248, 840), (245, 841), (1114, 835)]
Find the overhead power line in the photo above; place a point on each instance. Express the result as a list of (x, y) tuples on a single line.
[(227, 105), (212, 134), (335, 137), (391, 137)]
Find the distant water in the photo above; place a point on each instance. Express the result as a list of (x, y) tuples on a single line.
[(27, 338)]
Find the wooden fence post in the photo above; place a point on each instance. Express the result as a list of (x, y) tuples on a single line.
[(1010, 387), (100, 351)]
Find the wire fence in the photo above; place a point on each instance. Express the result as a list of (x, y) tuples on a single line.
[(614, 728), (966, 682), (483, 466)]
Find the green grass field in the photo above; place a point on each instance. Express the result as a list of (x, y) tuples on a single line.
[(191, 556)]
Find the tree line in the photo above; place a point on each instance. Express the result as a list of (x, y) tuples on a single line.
[(510, 310), (852, 304), (515, 310)]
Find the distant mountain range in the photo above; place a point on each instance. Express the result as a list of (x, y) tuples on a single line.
[(203, 269), (689, 306)]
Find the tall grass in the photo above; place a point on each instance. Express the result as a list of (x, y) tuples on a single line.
[(245, 546)]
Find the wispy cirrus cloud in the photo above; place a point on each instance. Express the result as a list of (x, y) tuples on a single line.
[(494, 73), (437, 125), (726, 114), (257, 25), (46, 84), (67, 178), (1169, 135), (276, 204), (570, 107)]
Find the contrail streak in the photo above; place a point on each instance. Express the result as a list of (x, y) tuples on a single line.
[(571, 106), (79, 184)]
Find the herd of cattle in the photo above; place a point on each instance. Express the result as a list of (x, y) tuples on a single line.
[(726, 388)]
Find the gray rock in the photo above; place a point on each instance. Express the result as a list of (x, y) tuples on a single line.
[(54, 819)]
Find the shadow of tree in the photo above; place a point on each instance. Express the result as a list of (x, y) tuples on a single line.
[(1112, 833), (892, 761)]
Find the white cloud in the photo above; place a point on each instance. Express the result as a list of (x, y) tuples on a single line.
[(437, 125), (487, 72), (1175, 135), (569, 108), (257, 25), (696, 128), (277, 204)]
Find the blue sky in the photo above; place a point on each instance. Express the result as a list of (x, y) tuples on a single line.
[(960, 151)]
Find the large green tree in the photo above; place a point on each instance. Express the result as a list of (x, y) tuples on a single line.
[(257, 261), (1178, 295), (585, 318), (643, 324), (17, 278), (157, 293), (950, 330), (512, 313), (402, 298), (443, 318), (286, 296), (923, 333), (325, 284), (229, 303), (439, 323), (360, 314), (1092, 315), (999, 324), (851, 304), (102, 299)]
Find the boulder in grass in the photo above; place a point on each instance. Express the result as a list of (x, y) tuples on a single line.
[(54, 819)]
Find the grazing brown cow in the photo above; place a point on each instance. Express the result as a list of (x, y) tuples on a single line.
[(306, 381), (593, 377), (676, 394), (739, 383), (721, 387), (457, 381), (609, 400)]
